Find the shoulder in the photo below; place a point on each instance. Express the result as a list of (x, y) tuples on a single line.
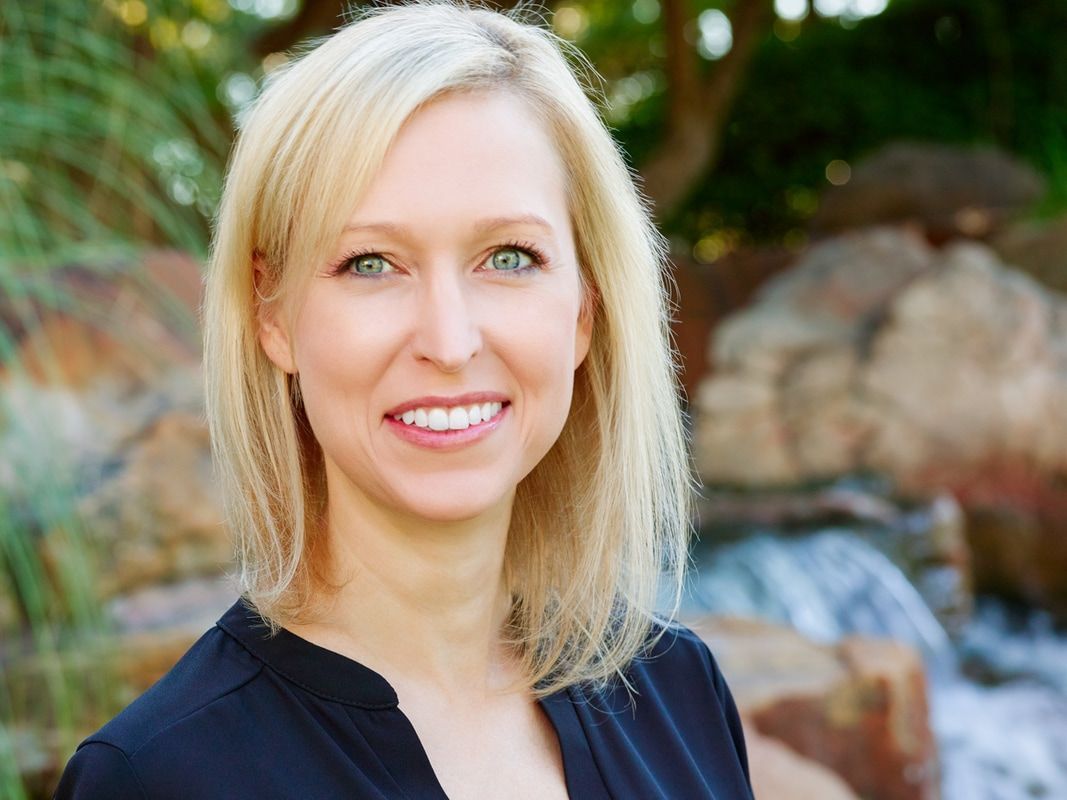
[(210, 674), (669, 721), (676, 683), (676, 655), (675, 678)]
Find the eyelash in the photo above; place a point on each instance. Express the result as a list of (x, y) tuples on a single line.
[(538, 256)]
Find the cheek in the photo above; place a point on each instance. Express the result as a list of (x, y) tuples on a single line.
[(538, 338), (340, 355)]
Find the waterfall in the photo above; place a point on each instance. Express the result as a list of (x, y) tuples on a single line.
[(825, 585), (998, 741)]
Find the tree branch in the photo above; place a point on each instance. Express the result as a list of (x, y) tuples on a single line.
[(699, 107)]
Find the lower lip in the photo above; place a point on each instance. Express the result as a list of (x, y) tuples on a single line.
[(446, 440)]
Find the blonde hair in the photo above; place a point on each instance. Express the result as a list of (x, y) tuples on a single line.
[(599, 531)]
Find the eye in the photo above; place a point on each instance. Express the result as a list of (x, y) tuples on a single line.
[(368, 264), (509, 259)]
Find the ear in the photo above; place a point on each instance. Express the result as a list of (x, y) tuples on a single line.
[(584, 333), (273, 330)]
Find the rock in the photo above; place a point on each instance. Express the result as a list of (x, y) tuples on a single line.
[(803, 335), (705, 293), (191, 605), (127, 323), (1015, 524), (947, 191), (1037, 248), (988, 333), (158, 517), (779, 773), (859, 707), (821, 302), (944, 370), (104, 443)]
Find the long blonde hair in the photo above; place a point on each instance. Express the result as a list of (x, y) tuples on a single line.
[(600, 527)]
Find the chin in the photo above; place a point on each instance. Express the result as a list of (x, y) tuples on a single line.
[(455, 503)]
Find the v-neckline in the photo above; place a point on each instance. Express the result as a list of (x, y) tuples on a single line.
[(338, 678)]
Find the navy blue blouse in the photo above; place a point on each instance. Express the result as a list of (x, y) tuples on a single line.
[(242, 715)]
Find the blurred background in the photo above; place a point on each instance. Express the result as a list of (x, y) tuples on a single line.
[(867, 206)]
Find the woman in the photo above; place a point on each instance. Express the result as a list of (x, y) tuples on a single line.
[(442, 402)]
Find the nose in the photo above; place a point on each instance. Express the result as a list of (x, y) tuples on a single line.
[(446, 331)]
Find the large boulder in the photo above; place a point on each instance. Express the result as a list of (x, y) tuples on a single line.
[(1037, 248), (780, 773), (106, 456), (859, 707), (947, 191), (943, 369), (706, 292)]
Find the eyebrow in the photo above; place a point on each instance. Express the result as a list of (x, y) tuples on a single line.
[(481, 226)]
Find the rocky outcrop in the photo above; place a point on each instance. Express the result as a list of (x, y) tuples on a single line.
[(859, 707), (779, 773), (106, 461), (705, 293), (946, 191), (943, 369)]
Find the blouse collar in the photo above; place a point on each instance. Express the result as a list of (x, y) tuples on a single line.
[(316, 669)]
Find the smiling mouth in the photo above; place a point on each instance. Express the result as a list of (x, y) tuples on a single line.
[(451, 418)]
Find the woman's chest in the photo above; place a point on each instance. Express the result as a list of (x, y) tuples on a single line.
[(507, 749)]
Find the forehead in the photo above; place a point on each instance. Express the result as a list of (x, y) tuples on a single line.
[(468, 154)]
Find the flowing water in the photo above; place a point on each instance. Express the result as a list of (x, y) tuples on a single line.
[(998, 695)]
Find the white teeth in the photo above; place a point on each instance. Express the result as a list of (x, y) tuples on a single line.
[(437, 419), (456, 418)]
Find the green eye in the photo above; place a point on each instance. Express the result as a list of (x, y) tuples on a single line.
[(370, 264), (510, 259)]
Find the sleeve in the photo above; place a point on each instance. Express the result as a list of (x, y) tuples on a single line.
[(99, 771), (729, 707)]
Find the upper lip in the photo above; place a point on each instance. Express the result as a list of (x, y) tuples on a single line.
[(432, 400)]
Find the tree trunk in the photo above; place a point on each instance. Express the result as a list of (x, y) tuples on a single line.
[(698, 105)]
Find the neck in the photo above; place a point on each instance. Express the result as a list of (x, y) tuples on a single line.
[(419, 601)]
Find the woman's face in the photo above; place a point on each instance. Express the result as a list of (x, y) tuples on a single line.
[(452, 295)]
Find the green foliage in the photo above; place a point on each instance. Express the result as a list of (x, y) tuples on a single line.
[(115, 132), (954, 71)]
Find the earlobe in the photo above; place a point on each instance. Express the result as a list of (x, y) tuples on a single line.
[(273, 334)]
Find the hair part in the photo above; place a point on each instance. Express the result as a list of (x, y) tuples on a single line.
[(599, 530)]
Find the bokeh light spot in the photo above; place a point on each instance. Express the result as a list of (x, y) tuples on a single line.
[(838, 172), (645, 11), (570, 22), (792, 10), (196, 34), (716, 34), (713, 246), (133, 12)]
